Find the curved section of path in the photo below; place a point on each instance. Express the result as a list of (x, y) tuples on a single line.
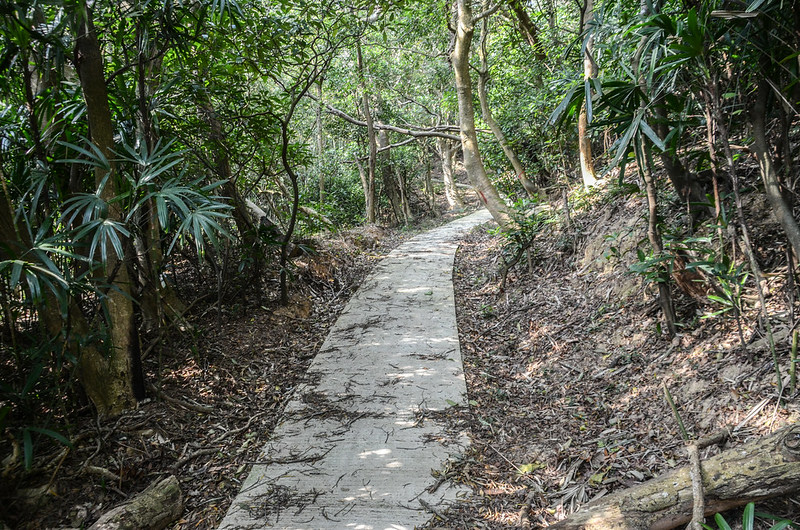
[(359, 443)]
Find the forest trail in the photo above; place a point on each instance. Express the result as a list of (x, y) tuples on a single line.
[(360, 439)]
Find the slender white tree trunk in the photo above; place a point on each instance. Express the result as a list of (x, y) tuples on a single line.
[(466, 114)]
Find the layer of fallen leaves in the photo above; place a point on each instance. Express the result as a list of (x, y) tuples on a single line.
[(217, 382), (566, 370)]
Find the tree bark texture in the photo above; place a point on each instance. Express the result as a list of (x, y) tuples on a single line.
[(369, 190), (155, 508), (528, 29), (241, 215), (107, 378), (447, 152), (762, 469), (772, 186), (466, 114), (483, 97), (686, 185), (390, 185), (589, 72)]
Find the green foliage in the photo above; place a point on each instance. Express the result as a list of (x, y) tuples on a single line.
[(654, 268), (184, 209), (520, 236), (731, 279), (749, 519)]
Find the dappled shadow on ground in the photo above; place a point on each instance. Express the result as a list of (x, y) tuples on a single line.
[(566, 380), (219, 386)]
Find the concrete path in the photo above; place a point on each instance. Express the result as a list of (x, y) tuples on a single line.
[(358, 443)]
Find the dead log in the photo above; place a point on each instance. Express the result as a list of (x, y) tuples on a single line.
[(153, 509), (762, 469)]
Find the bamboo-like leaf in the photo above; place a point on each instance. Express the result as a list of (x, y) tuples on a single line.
[(651, 134), (150, 174), (722, 524), (559, 113), (16, 271), (52, 434), (32, 378), (95, 157), (780, 525), (748, 518), (27, 448), (624, 142)]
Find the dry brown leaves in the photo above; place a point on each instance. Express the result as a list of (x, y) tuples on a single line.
[(565, 378)]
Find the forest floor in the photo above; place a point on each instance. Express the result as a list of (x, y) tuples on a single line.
[(218, 386), (565, 370)]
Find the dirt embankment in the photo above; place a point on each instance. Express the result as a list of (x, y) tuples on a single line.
[(567, 367)]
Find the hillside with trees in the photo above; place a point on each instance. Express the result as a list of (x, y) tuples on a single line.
[(191, 190)]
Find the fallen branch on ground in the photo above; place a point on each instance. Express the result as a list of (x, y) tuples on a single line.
[(204, 409), (762, 469), (153, 509)]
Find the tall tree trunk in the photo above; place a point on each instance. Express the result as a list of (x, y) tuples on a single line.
[(466, 114), (369, 190), (107, 379), (390, 183), (768, 174), (589, 72), (483, 81), (158, 300), (425, 159), (241, 214), (712, 155), (402, 183), (320, 141), (654, 235), (686, 186), (447, 152), (362, 173)]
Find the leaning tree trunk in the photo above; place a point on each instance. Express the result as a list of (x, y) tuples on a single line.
[(763, 469), (483, 81), (654, 235), (222, 162), (466, 115), (107, 379), (768, 174)]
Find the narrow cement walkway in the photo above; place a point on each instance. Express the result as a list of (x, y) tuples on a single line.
[(357, 445)]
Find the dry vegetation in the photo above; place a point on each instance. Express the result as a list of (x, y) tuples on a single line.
[(566, 370)]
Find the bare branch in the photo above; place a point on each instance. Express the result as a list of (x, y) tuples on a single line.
[(416, 132), (489, 12)]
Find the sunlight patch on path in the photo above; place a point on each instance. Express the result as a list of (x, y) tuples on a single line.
[(356, 447)]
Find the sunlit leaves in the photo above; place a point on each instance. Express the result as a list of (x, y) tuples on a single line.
[(147, 166), (197, 214)]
